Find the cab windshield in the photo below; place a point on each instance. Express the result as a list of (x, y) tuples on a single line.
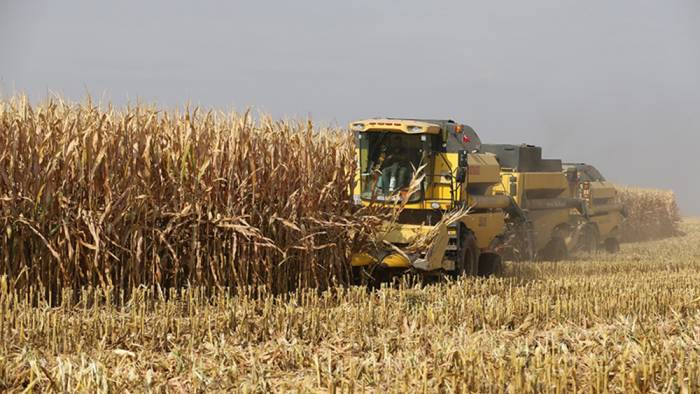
[(387, 163)]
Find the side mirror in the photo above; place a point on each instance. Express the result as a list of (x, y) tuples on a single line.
[(572, 175), (461, 175), (463, 158), (463, 164)]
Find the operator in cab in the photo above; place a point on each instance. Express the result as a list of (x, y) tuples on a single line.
[(392, 168)]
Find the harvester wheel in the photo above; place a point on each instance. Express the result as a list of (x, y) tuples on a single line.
[(612, 245), (490, 264), (555, 250), (589, 239), (468, 256)]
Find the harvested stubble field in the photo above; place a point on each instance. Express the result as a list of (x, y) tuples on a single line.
[(620, 323)]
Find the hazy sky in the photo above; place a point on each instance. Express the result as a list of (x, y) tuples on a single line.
[(614, 83)]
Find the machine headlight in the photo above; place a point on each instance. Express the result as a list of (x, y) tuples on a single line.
[(356, 199), (415, 129), (435, 205), (358, 126)]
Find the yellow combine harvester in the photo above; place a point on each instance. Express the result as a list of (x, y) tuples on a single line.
[(456, 176), (604, 215), (540, 225)]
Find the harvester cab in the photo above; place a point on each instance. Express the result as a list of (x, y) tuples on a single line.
[(450, 217), (539, 223), (602, 210)]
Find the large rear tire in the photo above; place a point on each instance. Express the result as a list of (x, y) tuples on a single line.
[(490, 264), (589, 239), (467, 262), (555, 250), (612, 245)]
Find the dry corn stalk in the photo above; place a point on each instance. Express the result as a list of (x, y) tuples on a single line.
[(426, 241), (652, 214)]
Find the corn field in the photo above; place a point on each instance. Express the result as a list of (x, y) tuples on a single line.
[(652, 214), (182, 251), (122, 198), (621, 323), (101, 197)]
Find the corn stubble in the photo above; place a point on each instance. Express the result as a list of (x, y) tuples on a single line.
[(609, 323)]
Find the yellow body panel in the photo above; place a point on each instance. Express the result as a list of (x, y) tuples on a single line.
[(544, 180), (483, 168), (602, 194), (445, 164), (553, 182), (550, 186), (602, 190), (396, 261), (486, 227)]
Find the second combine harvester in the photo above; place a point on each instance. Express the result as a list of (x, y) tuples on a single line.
[(556, 208), (603, 212), (540, 222)]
